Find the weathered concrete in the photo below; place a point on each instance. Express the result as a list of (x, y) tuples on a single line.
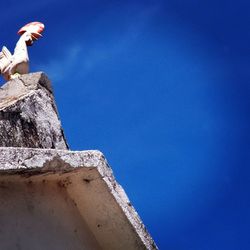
[(52, 198), (59, 199), (28, 114)]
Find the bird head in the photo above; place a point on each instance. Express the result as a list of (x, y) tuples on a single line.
[(32, 32)]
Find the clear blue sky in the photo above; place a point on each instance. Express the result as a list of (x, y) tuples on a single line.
[(162, 88)]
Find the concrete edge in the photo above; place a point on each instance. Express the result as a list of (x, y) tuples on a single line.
[(31, 161)]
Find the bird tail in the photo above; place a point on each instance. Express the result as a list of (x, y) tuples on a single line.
[(5, 58), (6, 53)]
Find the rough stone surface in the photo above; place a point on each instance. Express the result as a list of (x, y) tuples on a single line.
[(53, 198), (28, 114), (95, 212)]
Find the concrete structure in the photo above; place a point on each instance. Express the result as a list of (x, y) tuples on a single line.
[(58, 199), (28, 114), (62, 199)]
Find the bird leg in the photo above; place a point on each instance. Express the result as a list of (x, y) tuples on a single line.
[(14, 76)]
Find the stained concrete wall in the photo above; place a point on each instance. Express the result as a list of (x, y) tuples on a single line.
[(65, 199), (40, 215)]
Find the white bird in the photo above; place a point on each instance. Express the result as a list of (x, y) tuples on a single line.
[(12, 66)]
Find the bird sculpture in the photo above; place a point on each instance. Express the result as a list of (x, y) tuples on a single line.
[(12, 66)]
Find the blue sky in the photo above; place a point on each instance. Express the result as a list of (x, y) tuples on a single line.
[(162, 89)]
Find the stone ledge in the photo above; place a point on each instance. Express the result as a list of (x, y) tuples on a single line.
[(88, 182)]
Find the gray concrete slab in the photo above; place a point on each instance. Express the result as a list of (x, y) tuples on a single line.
[(60, 199)]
